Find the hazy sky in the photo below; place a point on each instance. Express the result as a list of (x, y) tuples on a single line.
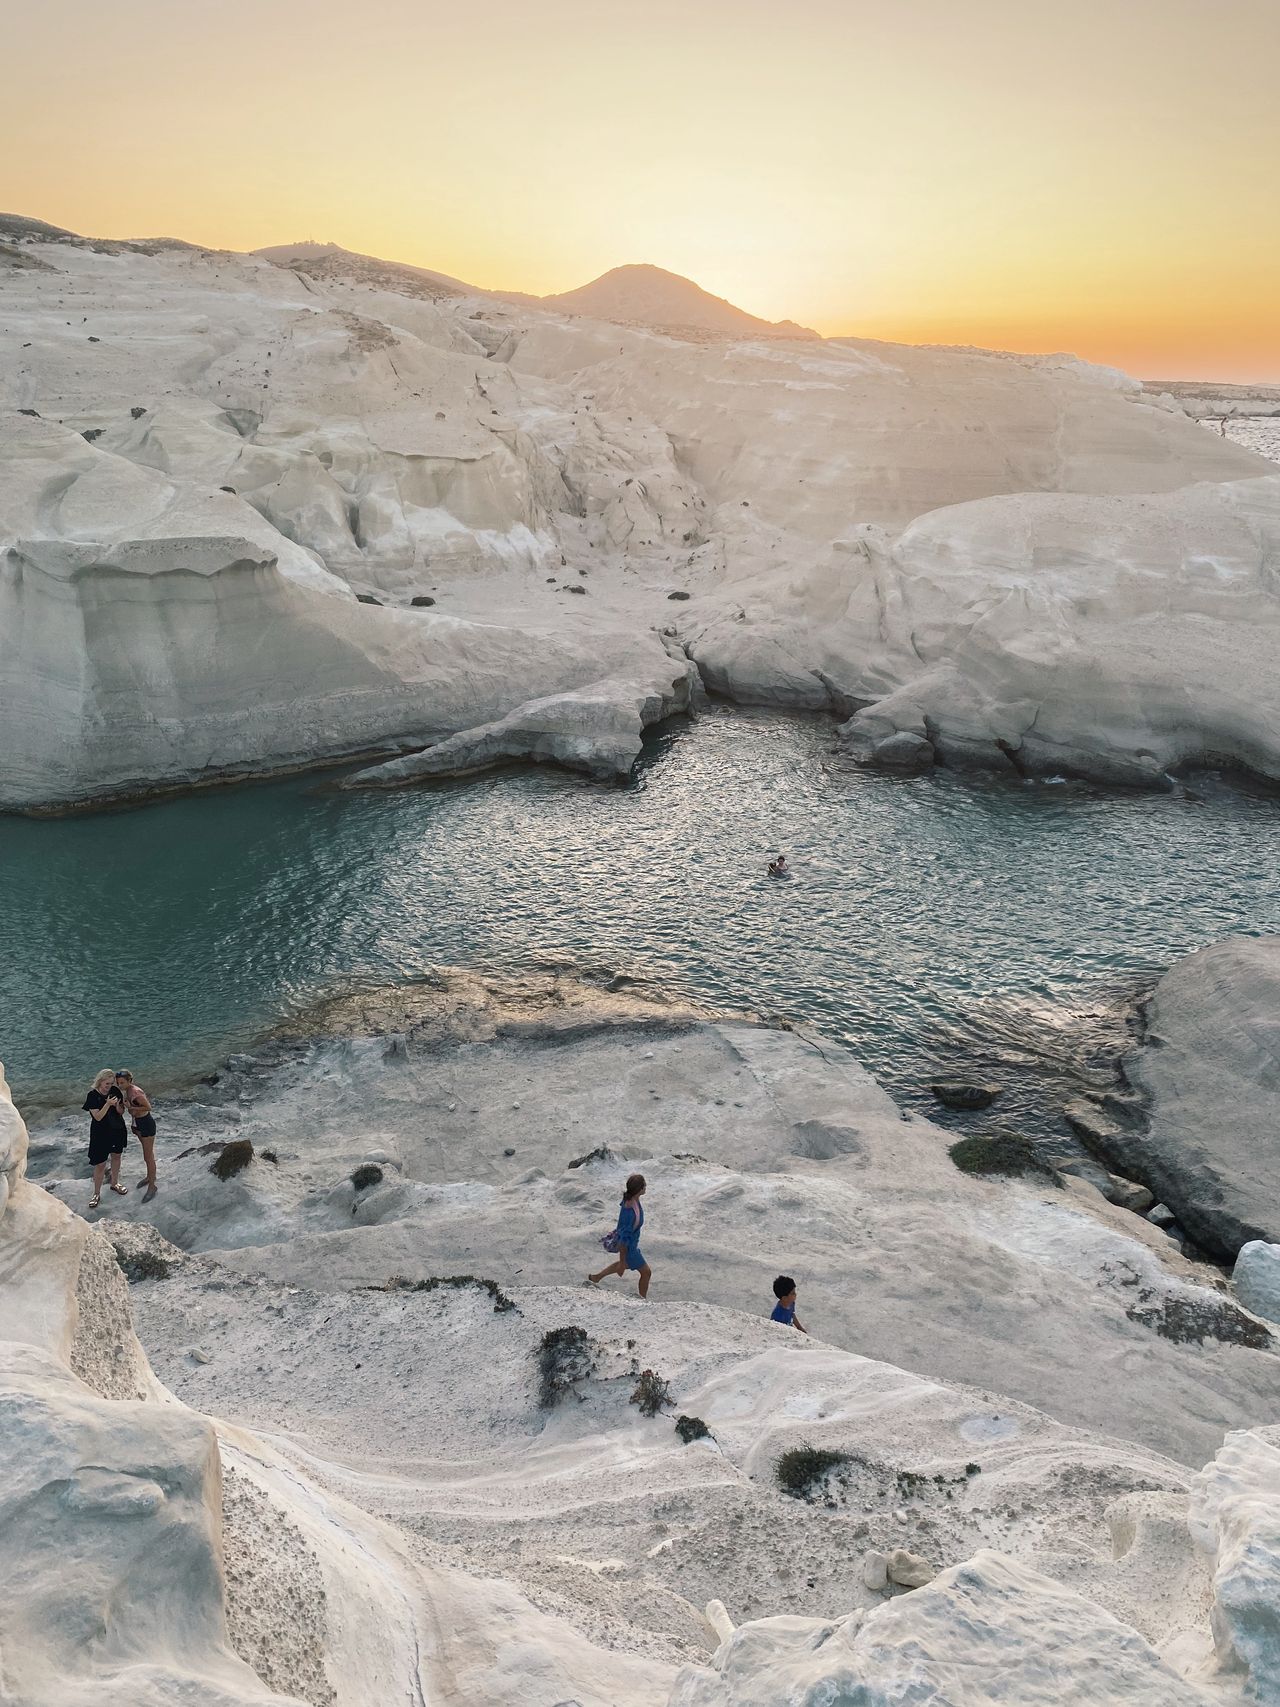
[(1094, 175)]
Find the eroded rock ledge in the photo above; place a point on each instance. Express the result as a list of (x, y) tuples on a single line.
[(1209, 1066)]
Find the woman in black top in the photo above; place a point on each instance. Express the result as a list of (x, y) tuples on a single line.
[(108, 1134)]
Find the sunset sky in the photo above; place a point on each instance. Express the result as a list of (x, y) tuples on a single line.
[(1092, 175)]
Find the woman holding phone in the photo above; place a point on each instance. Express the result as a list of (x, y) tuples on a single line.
[(107, 1133)]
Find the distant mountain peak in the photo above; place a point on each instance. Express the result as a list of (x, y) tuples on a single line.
[(640, 293)]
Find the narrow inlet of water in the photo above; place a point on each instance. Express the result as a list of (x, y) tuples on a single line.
[(933, 924)]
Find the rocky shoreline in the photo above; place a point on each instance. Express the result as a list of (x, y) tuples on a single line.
[(364, 1299)]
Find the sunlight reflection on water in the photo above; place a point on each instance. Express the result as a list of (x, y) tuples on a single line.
[(931, 922)]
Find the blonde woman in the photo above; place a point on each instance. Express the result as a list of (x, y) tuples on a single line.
[(107, 1133)]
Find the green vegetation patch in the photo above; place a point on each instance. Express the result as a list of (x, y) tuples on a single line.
[(144, 1265)]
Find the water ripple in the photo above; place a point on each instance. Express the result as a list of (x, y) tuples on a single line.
[(931, 923)]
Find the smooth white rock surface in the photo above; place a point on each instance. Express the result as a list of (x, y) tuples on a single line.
[(1210, 1068), (984, 1633), (1235, 1518), (1256, 1278), (1111, 637), (766, 1152), (382, 430), (597, 729)]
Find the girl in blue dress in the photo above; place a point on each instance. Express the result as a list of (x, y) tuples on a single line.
[(630, 1221)]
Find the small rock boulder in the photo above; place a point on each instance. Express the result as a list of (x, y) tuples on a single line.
[(1128, 1194), (875, 1571), (679, 594), (367, 599), (1162, 1216), (1256, 1277), (904, 752), (953, 1093), (419, 600), (909, 1570), (1087, 1121)]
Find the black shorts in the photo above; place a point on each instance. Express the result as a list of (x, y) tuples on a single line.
[(102, 1146), (145, 1126)]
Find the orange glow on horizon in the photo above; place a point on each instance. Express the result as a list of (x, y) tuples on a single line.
[(1098, 178)]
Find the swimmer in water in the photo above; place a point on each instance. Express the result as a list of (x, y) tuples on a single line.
[(778, 867)]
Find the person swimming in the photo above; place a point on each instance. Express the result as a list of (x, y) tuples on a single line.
[(778, 867)]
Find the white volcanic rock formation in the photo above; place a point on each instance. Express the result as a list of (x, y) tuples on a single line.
[(153, 1557), (412, 441), (109, 1498), (474, 1537), (331, 260), (765, 1154), (985, 1632), (597, 729), (811, 439), (1050, 633), (1209, 1063), (155, 635), (650, 296)]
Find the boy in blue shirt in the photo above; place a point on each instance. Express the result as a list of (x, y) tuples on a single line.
[(784, 1290)]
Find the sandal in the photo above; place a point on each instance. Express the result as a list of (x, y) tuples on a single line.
[(121, 1190), (95, 1201)]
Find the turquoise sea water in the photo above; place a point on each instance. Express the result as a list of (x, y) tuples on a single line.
[(931, 923)]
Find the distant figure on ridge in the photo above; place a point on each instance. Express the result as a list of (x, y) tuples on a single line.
[(784, 1290), (107, 1135), (625, 1238), (144, 1128), (778, 867)]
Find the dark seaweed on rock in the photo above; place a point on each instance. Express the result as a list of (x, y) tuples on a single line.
[(802, 1469), (231, 1158), (601, 1153), (652, 1393), (1191, 1321), (459, 1282), (143, 1265), (565, 1357), (1000, 1154)]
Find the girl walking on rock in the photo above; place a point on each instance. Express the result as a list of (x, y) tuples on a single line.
[(625, 1238)]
